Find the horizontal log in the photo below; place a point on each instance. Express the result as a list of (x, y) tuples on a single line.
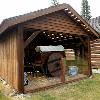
[(96, 58)]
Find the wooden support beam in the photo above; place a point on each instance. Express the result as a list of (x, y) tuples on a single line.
[(82, 41), (28, 41), (62, 62), (89, 57), (20, 58), (82, 51), (76, 50)]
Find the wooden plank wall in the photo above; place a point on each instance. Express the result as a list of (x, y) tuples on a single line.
[(9, 64)]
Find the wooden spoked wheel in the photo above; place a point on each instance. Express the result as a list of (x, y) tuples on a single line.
[(53, 64)]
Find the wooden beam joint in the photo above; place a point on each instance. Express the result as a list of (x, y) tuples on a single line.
[(32, 37)]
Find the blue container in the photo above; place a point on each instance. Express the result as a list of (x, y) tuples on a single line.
[(73, 70)]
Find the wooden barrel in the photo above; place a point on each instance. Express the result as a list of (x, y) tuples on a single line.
[(53, 64)]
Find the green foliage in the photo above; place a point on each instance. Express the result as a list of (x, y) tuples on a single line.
[(80, 63), (54, 2), (85, 11)]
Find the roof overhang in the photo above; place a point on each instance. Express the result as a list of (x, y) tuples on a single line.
[(7, 23)]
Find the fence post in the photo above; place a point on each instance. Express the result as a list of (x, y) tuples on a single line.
[(62, 63)]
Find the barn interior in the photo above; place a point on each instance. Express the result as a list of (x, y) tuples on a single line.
[(57, 28), (36, 63)]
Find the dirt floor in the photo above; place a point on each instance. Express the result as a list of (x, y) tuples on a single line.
[(42, 81)]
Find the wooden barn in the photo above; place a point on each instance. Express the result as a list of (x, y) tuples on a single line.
[(56, 25)]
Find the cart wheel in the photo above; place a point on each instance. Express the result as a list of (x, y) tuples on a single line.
[(53, 64)]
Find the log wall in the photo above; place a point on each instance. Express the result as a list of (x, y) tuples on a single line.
[(95, 45), (95, 53)]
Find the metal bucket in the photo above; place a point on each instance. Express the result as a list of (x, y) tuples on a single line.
[(73, 70)]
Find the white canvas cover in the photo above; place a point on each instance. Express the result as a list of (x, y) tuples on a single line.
[(49, 48)]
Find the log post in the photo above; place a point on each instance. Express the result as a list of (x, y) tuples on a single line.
[(89, 57), (62, 63), (20, 57)]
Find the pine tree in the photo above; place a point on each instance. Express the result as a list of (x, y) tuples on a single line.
[(85, 11), (54, 2)]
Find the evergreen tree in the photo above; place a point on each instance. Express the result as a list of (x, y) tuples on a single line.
[(54, 2), (85, 11)]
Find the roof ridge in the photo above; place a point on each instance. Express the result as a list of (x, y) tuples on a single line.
[(32, 15), (28, 16)]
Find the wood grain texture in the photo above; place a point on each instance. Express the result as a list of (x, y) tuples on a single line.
[(95, 53), (58, 22), (62, 63), (10, 69)]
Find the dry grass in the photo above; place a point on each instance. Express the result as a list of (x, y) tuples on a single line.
[(88, 89), (40, 82), (2, 96)]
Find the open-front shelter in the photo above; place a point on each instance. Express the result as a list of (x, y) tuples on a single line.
[(56, 25)]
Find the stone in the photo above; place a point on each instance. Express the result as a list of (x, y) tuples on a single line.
[(4, 83)]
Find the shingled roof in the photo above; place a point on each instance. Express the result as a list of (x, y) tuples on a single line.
[(7, 23)]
